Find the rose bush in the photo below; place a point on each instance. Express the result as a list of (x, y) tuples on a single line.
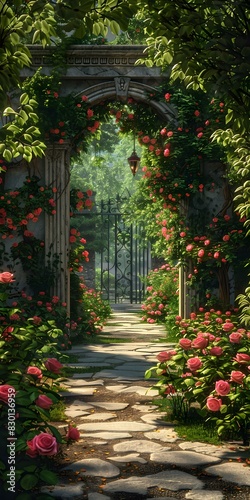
[(29, 383), (162, 294), (210, 370)]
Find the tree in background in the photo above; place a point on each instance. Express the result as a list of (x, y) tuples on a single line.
[(104, 167)]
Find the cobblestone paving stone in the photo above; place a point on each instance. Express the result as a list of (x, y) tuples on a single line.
[(174, 468)]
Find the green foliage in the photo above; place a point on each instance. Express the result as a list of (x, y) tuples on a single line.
[(134, 34), (95, 17), (104, 167), (62, 118), (20, 136), (89, 311), (162, 294)]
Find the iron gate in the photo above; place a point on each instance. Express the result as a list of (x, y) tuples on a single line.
[(124, 260)]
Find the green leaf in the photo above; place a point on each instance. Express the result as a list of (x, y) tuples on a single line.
[(24, 99), (220, 429), (9, 111), (223, 409), (55, 433), (7, 155), (48, 477), (189, 382), (148, 374), (115, 28), (28, 481)]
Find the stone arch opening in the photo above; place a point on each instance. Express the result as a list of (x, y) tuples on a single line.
[(57, 160)]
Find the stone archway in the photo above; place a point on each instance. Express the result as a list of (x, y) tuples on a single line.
[(101, 73)]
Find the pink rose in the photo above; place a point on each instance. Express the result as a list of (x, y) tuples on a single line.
[(165, 355), (73, 433), (31, 451), (53, 365), (201, 253), (44, 402), (237, 376), (33, 370), (227, 327), (213, 404), (235, 337), (222, 387), (185, 344), (43, 444), (242, 358), (6, 277), (6, 390), (200, 342), (194, 364), (216, 351), (211, 337)]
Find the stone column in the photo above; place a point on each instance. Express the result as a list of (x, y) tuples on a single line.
[(57, 227)]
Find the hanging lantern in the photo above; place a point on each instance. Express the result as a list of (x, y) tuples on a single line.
[(134, 162)]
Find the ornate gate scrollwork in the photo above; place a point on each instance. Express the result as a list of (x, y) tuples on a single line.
[(125, 257)]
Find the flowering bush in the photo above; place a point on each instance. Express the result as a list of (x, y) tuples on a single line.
[(210, 367), (186, 193), (29, 382), (62, 118), (22, 207), (162, 294), (88, 309)]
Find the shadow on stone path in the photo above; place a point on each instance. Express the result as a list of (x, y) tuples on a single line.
[(128, 452)]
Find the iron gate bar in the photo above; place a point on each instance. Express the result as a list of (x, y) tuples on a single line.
[(124, 261)]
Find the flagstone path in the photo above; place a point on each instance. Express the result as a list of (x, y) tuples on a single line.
[(128, 451)]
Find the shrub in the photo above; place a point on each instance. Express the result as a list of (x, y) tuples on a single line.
[(29, 382), (209, 368), (162, 294)]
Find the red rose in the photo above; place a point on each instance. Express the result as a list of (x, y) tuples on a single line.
[(213, 404), (33, 370), (200, 342), (5, 391), (44, 402), (216, 351), (53, 365), (73, 433), (222, 387), (90, 113), (201, 253), (235, 337), (227, 326), (6, 277), (194, 364), (165, 355), (185, 344), (242, 358), (237, 376)]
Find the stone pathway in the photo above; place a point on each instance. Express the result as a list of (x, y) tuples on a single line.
[(101, 400)]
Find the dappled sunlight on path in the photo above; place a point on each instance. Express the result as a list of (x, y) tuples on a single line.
[(126, 450)]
